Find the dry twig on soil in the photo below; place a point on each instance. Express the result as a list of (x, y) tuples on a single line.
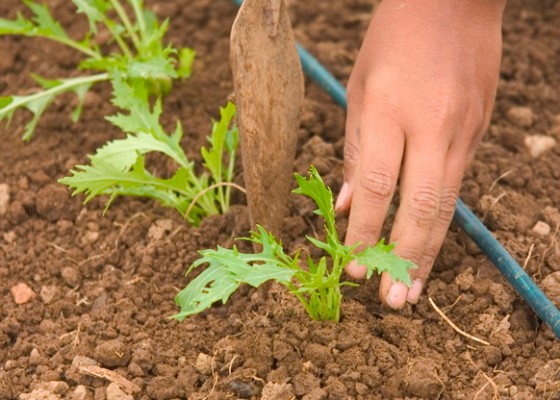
[(455, 327)]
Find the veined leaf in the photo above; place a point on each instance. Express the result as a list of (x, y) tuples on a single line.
[(45, 23), (221, 135), (122, 153), (227, 270), (315, 188), (381, 258), (153, 68)]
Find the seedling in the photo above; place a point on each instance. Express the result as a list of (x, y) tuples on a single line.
[(315, 283), (119, 167), (141, 54)]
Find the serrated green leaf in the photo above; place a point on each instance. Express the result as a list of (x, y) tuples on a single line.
[(122, 153), (133, 97), (382, 258), (227, 270), (315, 188), (46, 24), (154, 68), (18, 26), (94, 10), (213, 157), (103, 178)]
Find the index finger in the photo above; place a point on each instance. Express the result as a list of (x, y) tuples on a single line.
[(381, 151)]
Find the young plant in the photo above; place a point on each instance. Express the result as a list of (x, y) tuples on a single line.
[(141, 53), (119, 167), (317, 286)]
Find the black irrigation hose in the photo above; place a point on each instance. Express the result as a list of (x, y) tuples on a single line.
[(463, 217)]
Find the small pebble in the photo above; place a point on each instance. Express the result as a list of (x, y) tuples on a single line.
[(48, 293), (523, 117), (203, 364), (541, 228), (22, 293), (538, 144)]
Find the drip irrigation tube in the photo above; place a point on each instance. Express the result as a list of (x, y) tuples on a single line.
[(463, 217)]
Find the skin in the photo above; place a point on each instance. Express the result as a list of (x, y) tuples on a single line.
[(420, 98)]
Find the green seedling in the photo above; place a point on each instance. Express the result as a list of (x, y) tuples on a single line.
[(141, 54), (316, 284), (119, 167)]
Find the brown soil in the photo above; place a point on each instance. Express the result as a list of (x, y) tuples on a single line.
[(104, 286)]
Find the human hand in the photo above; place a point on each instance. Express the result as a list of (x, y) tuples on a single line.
[(420, 98)]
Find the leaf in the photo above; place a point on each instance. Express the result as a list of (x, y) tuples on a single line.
[(382, 258), (103, 178), (18, 26), (46, 24), (156, 67), (122, 153), (227, 270), (221, 135), (133, 97), (186, 60), (38, 102), (315, 188), (94, 10)]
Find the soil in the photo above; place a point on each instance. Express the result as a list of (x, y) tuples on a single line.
[(94, 292)]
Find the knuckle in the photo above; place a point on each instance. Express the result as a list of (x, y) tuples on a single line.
[(378, 184), (447, 204), (386, 103), (425, 204), (351, 152), (364, 233), (414, 254)]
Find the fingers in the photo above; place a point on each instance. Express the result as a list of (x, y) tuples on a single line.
[(351, 150), (429, 188), (374, 181)]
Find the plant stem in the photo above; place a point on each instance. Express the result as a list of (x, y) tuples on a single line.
[(73, 44), (139, 17), (206, 203), (229, 177), (229, 185), (63, 87), (122, 44), (127, 24)]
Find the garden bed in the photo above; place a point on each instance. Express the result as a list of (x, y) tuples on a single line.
[(104, 285)]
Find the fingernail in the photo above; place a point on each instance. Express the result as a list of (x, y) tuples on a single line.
[(415, 291), (355, 270), (341, 196), (396, 296)]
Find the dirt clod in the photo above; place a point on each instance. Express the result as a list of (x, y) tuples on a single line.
[(521, 116), (112, 353), (22, 293), (114, 392)]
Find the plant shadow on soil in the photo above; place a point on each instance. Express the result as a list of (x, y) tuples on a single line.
[(104, 286)]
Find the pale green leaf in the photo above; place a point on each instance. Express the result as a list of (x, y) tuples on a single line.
[(186, 60), (382, 258)]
